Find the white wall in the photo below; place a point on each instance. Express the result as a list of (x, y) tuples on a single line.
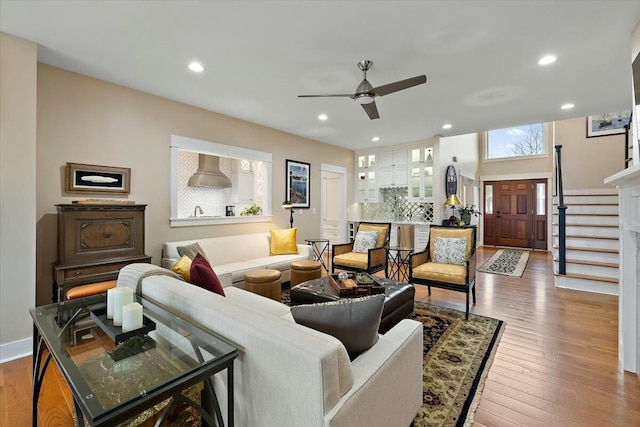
[(17, 194)]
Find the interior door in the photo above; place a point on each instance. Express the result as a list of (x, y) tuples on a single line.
[(333, 207), (512, 211)]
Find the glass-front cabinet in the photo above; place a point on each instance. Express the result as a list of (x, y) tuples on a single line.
[(421, 174), (367, 176)]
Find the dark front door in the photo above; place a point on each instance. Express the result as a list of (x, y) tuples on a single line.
[(515, 213)]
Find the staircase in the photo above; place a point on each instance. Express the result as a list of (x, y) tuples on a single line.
[(591, 241)]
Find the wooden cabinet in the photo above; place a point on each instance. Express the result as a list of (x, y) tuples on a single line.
[(95, 242), (392, 168)]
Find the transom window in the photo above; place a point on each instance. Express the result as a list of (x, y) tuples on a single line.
[(518, 141)]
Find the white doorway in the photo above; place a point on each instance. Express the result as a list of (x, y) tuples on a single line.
[(333, 203)]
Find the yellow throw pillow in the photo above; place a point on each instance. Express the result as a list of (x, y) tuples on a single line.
[(183, 268), (283, 242)]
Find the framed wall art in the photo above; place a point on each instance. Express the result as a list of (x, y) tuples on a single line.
[(97, 179), (297, 177), (607, 124)]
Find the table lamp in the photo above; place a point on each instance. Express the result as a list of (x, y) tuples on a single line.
[(288, 205), (452, 201)]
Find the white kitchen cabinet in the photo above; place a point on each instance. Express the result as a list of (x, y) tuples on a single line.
[(392, 168), (242, 181), (421, 172), (366, 185)]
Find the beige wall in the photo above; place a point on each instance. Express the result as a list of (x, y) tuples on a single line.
[(84, 120), (17, 193), (585, 161)]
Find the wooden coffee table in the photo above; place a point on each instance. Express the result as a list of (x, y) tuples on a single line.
[(398, 302)]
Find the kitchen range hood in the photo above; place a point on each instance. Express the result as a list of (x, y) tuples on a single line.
[(208, 173)]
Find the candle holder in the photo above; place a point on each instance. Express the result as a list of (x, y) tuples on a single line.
[(115, 332)]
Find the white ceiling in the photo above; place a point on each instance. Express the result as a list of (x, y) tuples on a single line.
[(480, 58)]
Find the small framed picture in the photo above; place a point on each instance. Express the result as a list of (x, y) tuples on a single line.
[(297, 191), (607, 124), (97, 179)]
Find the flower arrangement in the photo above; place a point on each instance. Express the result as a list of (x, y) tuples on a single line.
[(468, 210)]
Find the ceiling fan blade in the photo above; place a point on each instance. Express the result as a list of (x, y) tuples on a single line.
[(327, 96), (399, 85), (371, 110)]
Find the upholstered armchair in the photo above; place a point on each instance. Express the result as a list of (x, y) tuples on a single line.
[(448, 261), (367, 253)]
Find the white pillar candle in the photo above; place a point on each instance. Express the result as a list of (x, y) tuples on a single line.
[(110, 303), (131, 317), (121, 297)]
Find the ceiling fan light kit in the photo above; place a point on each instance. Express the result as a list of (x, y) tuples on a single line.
[(365, 93)]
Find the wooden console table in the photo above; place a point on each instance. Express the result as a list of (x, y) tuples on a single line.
[(95, 242)]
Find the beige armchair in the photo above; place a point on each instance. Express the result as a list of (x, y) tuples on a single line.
[(458, 273), (372, 261)]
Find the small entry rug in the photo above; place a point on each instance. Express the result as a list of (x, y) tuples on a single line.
[(506, 262), (457, 356)]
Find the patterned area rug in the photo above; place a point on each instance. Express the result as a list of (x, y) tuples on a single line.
[(506, 262), (457, 357)]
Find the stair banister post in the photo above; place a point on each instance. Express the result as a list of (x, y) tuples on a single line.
[(562, 210)]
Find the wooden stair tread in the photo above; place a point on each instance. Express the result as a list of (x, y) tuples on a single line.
[(587, 204), (588, 277), (594, 263), (587, 237), (587, 214), (573, 248), (588, 225)]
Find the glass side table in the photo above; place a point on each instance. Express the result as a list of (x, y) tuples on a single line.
[(111, 384), (398, 263), (319, 247)]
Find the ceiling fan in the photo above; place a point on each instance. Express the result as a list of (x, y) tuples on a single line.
[(365, 93)]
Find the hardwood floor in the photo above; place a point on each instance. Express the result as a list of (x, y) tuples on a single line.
[(556, 364)]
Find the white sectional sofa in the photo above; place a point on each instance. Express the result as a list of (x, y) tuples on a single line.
[(232, 256), (288, 375)]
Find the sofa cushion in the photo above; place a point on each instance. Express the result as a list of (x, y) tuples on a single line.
[(237, 269), (183, 268), (255, 302), (354, 321), (449, 250), (278, 262), (364, 241), (203, 275), (448, 273), (352, 259), (381, 229), (191, 251), (283, 242), (452, 232)]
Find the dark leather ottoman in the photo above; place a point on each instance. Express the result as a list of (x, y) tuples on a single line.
[(398, 302)]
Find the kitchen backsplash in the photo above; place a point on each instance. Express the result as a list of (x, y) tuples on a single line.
[(394, 206)]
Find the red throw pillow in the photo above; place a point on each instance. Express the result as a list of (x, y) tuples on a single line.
[(203, 275)]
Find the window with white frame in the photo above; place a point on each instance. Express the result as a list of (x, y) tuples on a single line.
[(518, 141)]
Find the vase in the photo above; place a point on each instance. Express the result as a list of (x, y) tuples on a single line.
[(466, 218)]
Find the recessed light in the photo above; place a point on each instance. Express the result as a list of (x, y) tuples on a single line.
[(447, 126), (546, 60), (375, 139), (567, 106), (323, 117), (196, 67)]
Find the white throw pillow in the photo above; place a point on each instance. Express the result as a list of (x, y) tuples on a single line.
[(364, 241), (450, 251)]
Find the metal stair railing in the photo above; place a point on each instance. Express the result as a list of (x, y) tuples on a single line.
[(562, 211)]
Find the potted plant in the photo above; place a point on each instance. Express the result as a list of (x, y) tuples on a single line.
[(254, 209), (466, 211)]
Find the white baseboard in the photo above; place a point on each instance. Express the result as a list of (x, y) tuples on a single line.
[(16, 350)]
